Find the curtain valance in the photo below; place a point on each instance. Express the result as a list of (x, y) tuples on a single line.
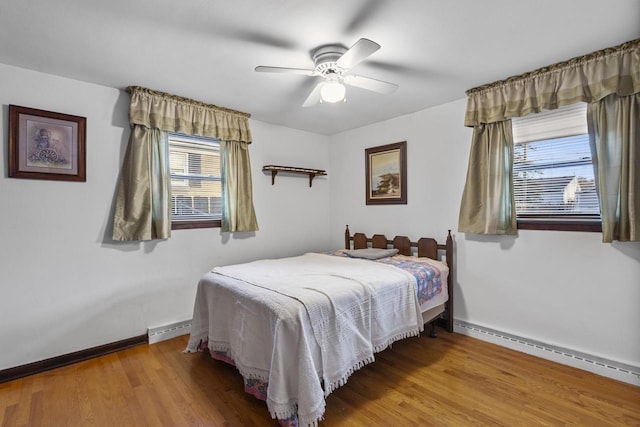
[(588, 78), (170, 113)]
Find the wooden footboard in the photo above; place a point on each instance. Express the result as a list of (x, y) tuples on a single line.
[(424, 247)]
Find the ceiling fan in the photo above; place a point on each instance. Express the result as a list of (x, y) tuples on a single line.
[(332, 63)]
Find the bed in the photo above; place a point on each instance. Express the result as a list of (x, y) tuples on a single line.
[(296, 328)]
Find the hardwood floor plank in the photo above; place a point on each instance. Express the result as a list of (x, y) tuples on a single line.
[(22, 396), (36, 409), (453, 380), (8, 418)]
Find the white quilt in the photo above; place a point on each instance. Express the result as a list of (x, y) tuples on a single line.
[(273, 317)]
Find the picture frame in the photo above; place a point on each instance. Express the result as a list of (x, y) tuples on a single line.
[(386, 174), (46, 145)]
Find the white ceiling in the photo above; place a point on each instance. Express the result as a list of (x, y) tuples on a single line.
[(208, 49)]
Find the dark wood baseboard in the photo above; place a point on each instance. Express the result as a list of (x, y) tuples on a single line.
[(70, 358)]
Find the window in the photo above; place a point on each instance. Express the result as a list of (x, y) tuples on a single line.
[(196, 185), (554, 185)]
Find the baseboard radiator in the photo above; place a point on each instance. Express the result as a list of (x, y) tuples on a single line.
[(597, 365), (166, 332)]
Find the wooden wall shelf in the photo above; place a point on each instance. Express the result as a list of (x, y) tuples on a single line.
[(290, 169)]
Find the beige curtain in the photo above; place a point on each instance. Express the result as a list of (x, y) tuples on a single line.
[(614, 132), (142, 204), (487, 206), (589, 78), (142, 209), (158, 110), (237, 201)]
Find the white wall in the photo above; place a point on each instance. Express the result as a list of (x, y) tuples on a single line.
[(562, 288), (65, 286)]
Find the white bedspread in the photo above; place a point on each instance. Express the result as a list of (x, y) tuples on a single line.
[(271, 315)]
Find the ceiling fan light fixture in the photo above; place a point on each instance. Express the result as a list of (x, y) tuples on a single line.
[(332, 92)]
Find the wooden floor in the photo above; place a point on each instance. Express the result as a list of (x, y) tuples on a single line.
[(453, 380)]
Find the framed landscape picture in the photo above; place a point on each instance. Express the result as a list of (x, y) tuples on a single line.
[(46, 145), (386, 174)]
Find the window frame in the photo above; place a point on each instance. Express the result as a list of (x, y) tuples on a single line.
[(195, 223), (563, 225), (586, 223)]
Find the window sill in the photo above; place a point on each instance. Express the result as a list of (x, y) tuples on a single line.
[(188, 225), (588, 226)]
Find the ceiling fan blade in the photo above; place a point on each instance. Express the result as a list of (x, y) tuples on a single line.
[(370, 84), (356, 53), (301, 71), (314, 96)]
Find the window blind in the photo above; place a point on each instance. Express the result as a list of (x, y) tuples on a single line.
[(196, 184), (553, 170)]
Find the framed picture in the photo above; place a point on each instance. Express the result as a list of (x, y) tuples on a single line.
[(46, 145), (386, 174)]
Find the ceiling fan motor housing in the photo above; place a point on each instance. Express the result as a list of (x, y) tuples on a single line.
[(325, 59)]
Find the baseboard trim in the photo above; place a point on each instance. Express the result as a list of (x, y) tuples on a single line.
[(70, 358), (594, 364), (166, 332)]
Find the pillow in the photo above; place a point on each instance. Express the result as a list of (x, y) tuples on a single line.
[(370, 253)]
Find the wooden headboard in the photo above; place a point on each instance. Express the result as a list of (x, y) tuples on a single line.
[(426, 247)]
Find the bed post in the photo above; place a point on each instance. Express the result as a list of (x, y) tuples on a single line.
[(347, 238), (449, 255)]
